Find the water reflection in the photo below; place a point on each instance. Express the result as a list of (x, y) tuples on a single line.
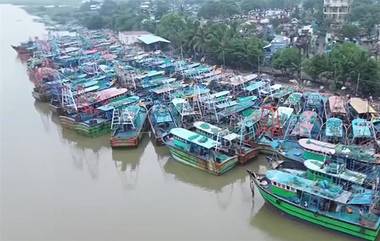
[(277, 224), (127, 162), (45, 114)]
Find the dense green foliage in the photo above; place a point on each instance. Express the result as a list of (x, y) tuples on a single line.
[(347, 65), (218, 8), (219, 43), (366, 13), (349, 31), (288, 60)]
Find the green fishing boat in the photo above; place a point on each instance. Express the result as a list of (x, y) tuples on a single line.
[(199, 151), (321, 151), (229, 141), (321, 202)]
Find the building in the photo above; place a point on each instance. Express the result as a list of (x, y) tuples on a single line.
[(337, 10)]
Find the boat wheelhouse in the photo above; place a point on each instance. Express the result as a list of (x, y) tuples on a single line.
[(335, 172), (228, 141), (318, 150), (320, 202), (199, 151)]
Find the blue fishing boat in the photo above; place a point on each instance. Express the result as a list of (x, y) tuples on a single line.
[(128, 124), (161, 121)]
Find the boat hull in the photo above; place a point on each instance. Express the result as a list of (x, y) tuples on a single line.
[(317, 218), (205, 165)]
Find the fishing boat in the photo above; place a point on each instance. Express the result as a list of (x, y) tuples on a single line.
[(336, 107), (361, 132), (318, 150), (295, 101), (334, 131), (128, 124), (359, 108), (320, 202), (100, 122), (335, 172), (184, 112), (229, 141), (314, 101), (308, 125), (161, 121), (199, 151)]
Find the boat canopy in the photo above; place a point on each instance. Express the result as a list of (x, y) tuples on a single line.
[(334, 127), (239, 79), (361, 128), (340, 171), (194, 138), (104, 95), (321, 188), (305, 124), (255, 86), (336, 104), (214, 130), (125, 100), (361, 106), (294, 99)]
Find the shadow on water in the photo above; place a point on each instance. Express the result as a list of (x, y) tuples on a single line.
[(127, 163)]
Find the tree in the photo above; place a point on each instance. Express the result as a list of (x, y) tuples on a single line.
[(248, 5), (162, 8), (349, 31), (367, 13), (316, 66), (347, 65), (173, 27), (94, 22), (108, 8), (218, 9), (287, 60)]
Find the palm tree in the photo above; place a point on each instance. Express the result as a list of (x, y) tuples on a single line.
[(220, 37), (200, 39)]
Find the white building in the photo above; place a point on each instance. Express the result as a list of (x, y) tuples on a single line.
[(337, 10)]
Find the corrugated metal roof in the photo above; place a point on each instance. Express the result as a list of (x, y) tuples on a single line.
[(151, 39)]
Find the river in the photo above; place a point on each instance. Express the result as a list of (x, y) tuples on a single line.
[(56, 185)]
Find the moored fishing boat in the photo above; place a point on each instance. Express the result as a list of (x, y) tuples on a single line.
[(335, 172), (229, 141), (199, 151), (161, 121), (128, 124), (334, 131), (318, 150), (320, 202), (308, 125)]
